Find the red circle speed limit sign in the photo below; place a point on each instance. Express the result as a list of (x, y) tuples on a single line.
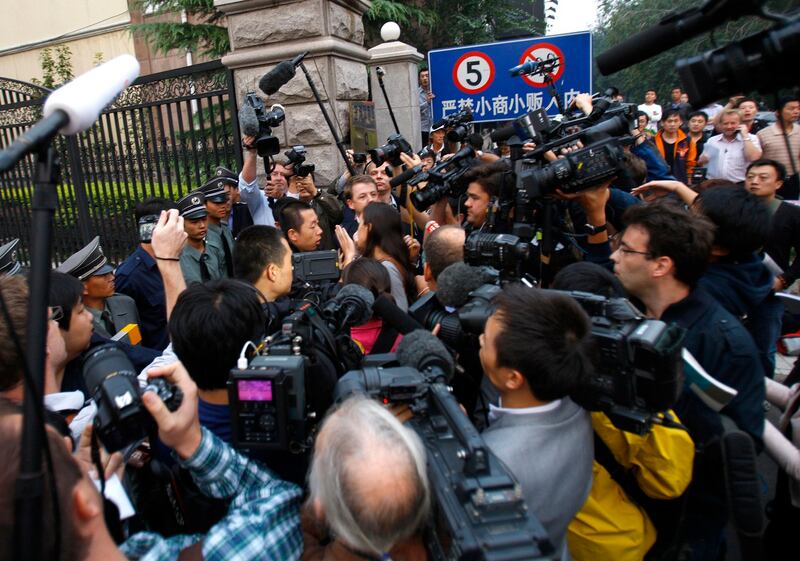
[(473, 72), (552, 59)]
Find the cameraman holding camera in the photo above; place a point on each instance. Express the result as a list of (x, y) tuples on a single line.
[(534, 351), (262, 521)]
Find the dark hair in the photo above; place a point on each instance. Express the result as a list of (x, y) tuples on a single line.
[(742, 221), (709, 183), (290, 215), (785, 100), (648, 90), (489, 176), (633, 172), (702, 114), (588, 277), (67, 475), (209, 325), (683, 237), (476, 141), (421, 70), (545, 336), (440, 251), (14, 291), (780, 169), (255, 248), (746, 99), (672, 113), (65, 291), (641, 114), (348, 187), (370, 274), (673, 89), (152, 205), (385, 232)]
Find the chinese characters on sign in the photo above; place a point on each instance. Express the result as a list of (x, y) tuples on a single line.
[(503, 106)]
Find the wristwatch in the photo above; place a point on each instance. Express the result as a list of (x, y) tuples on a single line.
[(593, 230)]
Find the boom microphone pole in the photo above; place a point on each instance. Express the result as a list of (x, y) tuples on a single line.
[(72, 108), (380, 72)]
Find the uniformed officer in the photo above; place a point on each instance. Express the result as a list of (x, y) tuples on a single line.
[(240, 217), (8, 258), (218, 205), (199, 262), (111, 312), (139, 278)]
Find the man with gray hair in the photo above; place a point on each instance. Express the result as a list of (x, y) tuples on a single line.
[(368, 488)]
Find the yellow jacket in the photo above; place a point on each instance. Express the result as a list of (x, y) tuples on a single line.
[(610, 525)]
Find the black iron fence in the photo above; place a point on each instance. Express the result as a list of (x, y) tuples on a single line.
[(162, 137)]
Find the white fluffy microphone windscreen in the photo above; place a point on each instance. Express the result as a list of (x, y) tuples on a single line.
[(86, 96)]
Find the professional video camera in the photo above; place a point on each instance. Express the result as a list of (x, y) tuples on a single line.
[(478, 508), (456, 125), (442, 179), (296, 157), (266, 144), (638, 364), (121, 417), (315, 266), (390, 152), (758, 61), (278, 397)]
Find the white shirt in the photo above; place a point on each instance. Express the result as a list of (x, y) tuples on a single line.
[(726, 160), (653, 114), (256, 201)]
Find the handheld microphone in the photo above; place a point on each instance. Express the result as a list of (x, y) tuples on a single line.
[(74, 107), (352, 305), (457, 281), (420, 349), (86, 96), (380, 71), (248, 122), (536, 66), (273, 80)]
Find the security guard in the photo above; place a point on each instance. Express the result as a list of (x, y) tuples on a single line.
[(218, 205), (111, 312), (240, 217), (199, 261), (8, 258)]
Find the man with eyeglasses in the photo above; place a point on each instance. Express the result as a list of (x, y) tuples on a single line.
[(659, 259)]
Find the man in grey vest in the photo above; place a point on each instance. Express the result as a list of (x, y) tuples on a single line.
[(111, 312)]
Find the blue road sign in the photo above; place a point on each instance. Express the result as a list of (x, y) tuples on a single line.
[(478, 76)]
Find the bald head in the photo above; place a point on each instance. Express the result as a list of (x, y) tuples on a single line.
[(368, 476), (443, 247)]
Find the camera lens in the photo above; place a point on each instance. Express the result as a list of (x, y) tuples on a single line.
[(424, 198), (102, 362)]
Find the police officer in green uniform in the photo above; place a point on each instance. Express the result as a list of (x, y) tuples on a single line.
[(199, 261), (111, 312), (218, 205)]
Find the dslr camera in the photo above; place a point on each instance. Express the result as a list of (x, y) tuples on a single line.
[(297, 157), (121, 417), (390, 152), (443, 179), (266, 144)]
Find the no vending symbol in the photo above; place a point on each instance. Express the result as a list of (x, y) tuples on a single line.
[(546, 52), (473, 72)]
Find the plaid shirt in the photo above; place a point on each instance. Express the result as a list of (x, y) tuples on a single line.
[(263, 521)]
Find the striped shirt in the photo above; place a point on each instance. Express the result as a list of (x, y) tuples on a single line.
[(774, 146), (263, 521)]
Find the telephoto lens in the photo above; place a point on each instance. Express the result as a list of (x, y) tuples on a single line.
[(121, 416)]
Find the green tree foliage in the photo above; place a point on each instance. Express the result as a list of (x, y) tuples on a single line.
[(620, 19), (432, 24), (56, 65), (203, 34)]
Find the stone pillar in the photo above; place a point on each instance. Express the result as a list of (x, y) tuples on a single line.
[(400, 62), (266, 32)]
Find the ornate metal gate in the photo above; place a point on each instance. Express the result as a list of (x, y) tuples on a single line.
[(161, 138)]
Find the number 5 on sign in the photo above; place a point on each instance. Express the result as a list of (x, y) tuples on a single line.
[(473, 72)]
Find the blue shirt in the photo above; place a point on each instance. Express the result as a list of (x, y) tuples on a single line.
[(217, 419), (138, 277)]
